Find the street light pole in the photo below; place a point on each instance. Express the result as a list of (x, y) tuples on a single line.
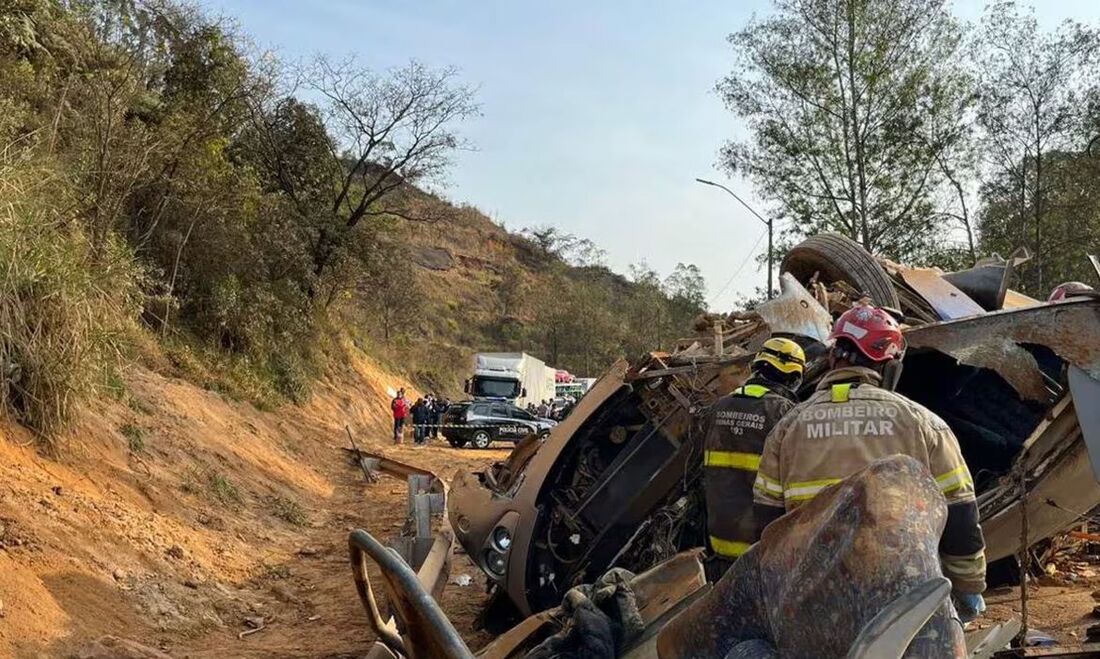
[(769, 224), (770, 268)]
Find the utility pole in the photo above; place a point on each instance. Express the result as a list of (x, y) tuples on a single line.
[(768, 223)]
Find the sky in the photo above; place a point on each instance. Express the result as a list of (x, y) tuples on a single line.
[(596, 116)]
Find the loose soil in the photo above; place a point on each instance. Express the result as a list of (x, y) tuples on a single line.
[(1063, 612), (312, 598), (173, 515)]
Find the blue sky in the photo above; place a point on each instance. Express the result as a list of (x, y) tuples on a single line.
[(597, 116)]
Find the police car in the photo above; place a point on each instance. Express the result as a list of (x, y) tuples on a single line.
[(482, 422)]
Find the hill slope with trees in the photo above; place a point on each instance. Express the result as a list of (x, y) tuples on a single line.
[(167, 191)]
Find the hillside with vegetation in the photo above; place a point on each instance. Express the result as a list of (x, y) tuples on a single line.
[(173, 198), (215, 268), (465, 284)]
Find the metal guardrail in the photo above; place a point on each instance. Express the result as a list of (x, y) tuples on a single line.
[(423, 551)]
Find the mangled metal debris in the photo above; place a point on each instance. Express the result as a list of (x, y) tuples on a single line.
[(424, 552), (617, 485), (1006, 341), (795, 312)]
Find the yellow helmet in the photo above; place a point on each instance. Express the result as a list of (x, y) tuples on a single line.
[(784, 355)]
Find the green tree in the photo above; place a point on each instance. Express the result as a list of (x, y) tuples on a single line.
[(853, 106), (389, 288), (686, 291), (1071, 220), (511, 288), (1032, 106), (648, 317), (552, 244)]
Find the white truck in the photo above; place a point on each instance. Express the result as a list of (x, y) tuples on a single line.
[(515, 377)]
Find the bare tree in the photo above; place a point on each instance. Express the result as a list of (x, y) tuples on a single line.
[(553, 243), (386, 130), (355, 154)]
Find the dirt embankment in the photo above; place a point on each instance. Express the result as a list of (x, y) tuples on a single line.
[(174, 515)]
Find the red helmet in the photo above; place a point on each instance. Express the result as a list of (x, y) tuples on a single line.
[(872, 330), (1068, 289)]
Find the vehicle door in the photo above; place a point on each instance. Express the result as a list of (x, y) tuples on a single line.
[(480, 416), (525, 422), (455, 415), (506, 427)]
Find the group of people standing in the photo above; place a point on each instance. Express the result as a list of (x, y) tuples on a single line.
[(555, 410), (426, 415)]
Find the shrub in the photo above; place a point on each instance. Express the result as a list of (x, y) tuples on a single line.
[(288, 510), (135, 437), (65, 308), (213, 485)]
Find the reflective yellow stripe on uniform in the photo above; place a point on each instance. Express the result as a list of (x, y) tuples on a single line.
[(768, 486), (752, 390), (953, 480), (732, 460), (841, 391), (807, 490), (729, 548)]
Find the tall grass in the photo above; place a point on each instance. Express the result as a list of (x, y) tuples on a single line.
[(65, 304)]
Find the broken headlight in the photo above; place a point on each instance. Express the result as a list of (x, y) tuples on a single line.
[(502, 538), (494, 562)]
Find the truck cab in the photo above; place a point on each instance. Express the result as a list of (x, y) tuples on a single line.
[(494, 385), (515, 377)]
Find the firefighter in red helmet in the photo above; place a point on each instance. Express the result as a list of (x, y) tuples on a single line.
[(852, 421)]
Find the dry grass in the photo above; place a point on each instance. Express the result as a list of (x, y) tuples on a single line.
[(66, 305)]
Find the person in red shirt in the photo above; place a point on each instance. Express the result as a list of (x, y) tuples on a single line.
[(400, 408)]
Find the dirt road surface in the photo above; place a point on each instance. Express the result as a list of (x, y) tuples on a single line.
[(1063, 612), (311, 599), (174, 517)]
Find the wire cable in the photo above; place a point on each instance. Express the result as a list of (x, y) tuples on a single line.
[(741, 267)]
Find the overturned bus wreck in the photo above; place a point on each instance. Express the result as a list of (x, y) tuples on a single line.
[(618, 483)]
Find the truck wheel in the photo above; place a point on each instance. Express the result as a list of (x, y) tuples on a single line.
[(482, 439), (457, 443), (839, 258)]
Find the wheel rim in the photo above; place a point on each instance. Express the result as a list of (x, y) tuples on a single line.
[(481, 439)]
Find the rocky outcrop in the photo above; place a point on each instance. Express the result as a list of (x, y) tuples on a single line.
[(433, 258)]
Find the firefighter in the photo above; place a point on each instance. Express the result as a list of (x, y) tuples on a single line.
[(736, 427), (849, 422)]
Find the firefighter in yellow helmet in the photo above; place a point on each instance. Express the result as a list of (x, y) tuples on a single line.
[(850, 422), (735, 429)]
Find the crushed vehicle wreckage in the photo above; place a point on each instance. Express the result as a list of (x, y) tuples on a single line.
[(618, 483)]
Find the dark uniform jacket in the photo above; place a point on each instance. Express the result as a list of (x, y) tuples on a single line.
[(735, 431), (420, 412)]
